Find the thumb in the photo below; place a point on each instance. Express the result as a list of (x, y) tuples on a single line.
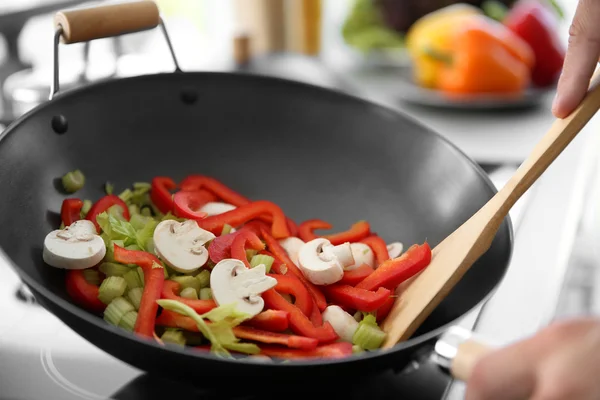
[(581, 58)]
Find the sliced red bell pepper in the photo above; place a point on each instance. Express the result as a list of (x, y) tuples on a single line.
[(289, 284), (385, 309), (154, 278), (171, 292), (357, 275), (356, 233), (104, 204), (379, 248), (393, 272), (255, 226), (334, 350), (188, 204), (171, 319), (197, 182), (70, 211), (82, 292), (359, 299), (299, 323), (280, 254), (220, 248), (245, 214), (292, 341), (315, 316), (293, 228), (160, 193), (307, 228), (270, 320), (238, 246)]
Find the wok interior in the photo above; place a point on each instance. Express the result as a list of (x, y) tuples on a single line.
[(316, 153)]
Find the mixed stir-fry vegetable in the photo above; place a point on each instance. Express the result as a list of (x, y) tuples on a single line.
[(196, 264)]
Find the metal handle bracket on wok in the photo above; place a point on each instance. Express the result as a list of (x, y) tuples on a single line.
[(84, 25)]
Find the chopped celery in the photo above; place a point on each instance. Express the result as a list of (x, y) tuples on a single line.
[(126, 195), (246, 348), (139, 221), (145, 211), (262, 259), (62, 226), (135, 296), (189, 293), (109, 188), (144, 235), (250, 253), (111, 287), (140, 273), (128, 321), (116, 309), (113, 269), (117, 229), (150, 248), (116, 212), (110, 248), (204, 278), (206, 294), (368, 335), (170, 216), (357, 349), (73, 181), (133, 279), (92, 276), (133, 209), (173, 336), (141, 186), (187, 281), (87, 205), (226, 229), (133, 247)]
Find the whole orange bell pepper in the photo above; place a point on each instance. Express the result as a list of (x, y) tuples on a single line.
[(486, 57)]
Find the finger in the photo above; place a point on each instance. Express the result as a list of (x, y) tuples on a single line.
[(506, 374), (582, 56)]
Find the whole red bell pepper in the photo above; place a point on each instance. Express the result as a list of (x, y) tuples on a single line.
[(334, 350), (171, 290), (270, 320), (356, 298), (238, 246), (307, 228), (291, 341), (280, 254), (82, 292), (385, 309), (535, 23), (356, 233), (154, 278), (160, 193), (70, 211), (104, 204), (393, 272), (357, 275), (299, 323), (289, 284), (379, 248), (188, 204), (226, 194), (245, 214)]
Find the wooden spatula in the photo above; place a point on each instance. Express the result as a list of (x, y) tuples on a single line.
[(455, 254)]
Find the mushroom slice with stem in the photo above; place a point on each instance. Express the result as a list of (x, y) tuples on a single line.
[(322, 263), (76, 247)]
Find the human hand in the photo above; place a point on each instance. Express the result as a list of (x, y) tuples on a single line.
[(560, 362), (581, 59)]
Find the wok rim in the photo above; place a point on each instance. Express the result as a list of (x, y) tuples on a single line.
[(93, 319)]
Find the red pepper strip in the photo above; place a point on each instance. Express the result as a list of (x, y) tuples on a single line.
[(356, 276), (160, 193), (356, 233), (171, 319), (197, 182), (293, 228), (246, 213), (299, 323), (82, 292), (280, 254), (292, 341), (270, 320), (360, 299), (255, 226), (379, 247), (171, 291), (393, 272), (238, 246), (188, 204), (70, 211), (334, 350), (385, 309), (220, 248), (291, 285), (307, 228), (315, 316), (154, 278), (104, 204)]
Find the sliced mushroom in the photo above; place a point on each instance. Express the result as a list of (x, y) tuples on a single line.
[(395, 249), (322, 263), (75, 247), (362, 254), (342, 323), (216, 208), (292, 246), (231, 282), (181, 244)]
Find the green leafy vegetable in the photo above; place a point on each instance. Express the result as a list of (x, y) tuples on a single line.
[(365, 30), (116, 229)]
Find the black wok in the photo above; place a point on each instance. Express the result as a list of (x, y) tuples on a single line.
[(315, 152)]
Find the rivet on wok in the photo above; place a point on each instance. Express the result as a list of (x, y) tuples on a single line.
[(60, 124), (189, 97)]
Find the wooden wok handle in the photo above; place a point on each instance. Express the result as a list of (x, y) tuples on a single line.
[(92, 23)]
